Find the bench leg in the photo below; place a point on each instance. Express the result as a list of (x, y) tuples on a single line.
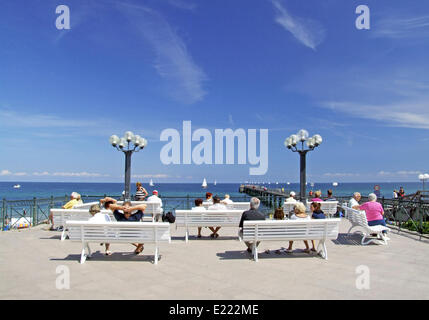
[(255, 252), (63, 234), (89, 250), (325, 251), (83, 255), (156, 254)]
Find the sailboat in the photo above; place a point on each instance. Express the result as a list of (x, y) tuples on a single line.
[(17, 186), (151, 183), (215, 182), (204, 185)]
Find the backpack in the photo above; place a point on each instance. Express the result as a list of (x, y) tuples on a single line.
[(168, 217)]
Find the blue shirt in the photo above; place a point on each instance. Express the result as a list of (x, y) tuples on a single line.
[(318, 215), (133, 218)]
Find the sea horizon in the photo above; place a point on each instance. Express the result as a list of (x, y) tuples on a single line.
[(29, 190)]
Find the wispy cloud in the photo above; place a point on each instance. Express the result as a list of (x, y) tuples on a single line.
[(79, 174), (401, 28), (34, 120), (400, 173), (173, 61), (406, 114), (307, 31), (9, 173), (150, 176), (340, 174), (181, 4)]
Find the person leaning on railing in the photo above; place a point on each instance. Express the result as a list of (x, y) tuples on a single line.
[(141, 192)]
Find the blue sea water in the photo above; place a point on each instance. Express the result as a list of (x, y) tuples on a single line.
[(29, 190)]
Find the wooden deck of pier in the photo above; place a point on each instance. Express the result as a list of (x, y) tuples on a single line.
[(212, 269)]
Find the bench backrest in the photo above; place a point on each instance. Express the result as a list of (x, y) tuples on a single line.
[(234, 206), (128, 232), (291, 229), (60, 216), (85, 205), (208, 218), (288, 207), (329, 208), (356, 217)]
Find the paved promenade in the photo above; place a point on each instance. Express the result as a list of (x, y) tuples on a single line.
[(211, 269)]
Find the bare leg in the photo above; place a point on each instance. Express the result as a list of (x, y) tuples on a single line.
[(290, 245), (199, 232), (314, 246), (107, 245)]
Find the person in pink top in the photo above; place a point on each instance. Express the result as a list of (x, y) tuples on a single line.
[(317, 196), (374, 211)]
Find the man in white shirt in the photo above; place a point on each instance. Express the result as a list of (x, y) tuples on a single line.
[(216, 206), (155, 199), (227, 200), (354, 202), (291, 198), (98, 217)]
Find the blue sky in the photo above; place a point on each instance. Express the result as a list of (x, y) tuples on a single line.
[(149, 65)]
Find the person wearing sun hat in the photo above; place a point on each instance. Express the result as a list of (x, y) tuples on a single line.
[(291, 197), (155, 199)]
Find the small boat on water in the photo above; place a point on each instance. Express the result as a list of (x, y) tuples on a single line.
[(151, 183), (215, 182), (17, 186), (204, 185)]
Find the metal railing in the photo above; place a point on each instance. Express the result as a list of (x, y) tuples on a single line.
[(36, 211)]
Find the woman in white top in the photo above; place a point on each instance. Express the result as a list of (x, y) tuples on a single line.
[(98, 217), (199, 207), (216, 206), (299, 214)]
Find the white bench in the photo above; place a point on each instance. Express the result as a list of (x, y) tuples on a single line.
[(291, 230), (208, 218), (118, 232), (358, 219), (61, 216)]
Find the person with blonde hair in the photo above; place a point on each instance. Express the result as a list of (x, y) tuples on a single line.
[(299, 214), (317, 196), (227, 200), (98, 217)]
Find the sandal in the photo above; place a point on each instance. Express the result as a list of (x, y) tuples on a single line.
[(138, 251), (108, 253), (199, 236), (289, 250), (216, 235), (267, 251), (212, 235)]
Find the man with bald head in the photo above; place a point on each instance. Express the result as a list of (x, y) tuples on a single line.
[(354, 202)]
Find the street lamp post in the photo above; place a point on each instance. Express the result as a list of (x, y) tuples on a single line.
[(129, 144), (293, 143), (423, 178)]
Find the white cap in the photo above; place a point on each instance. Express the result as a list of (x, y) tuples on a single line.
[(292, 193)]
